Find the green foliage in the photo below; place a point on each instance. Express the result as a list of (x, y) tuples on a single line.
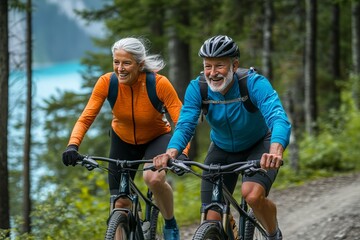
[(187, 198), (64, 217), (333, 148), (324, 154), (17, 4), (70, 211)]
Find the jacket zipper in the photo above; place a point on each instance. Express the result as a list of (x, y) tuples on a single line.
[(133, 113), (229, 128)]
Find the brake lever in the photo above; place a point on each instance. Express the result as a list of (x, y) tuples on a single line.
[(150, 167), (179, 168), (252, 170), (163, 169), (89, 163), (89, 166)]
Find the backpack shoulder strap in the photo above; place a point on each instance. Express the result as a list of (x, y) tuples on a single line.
[(242, 75), (151, 90), (113, 90), (204, 93)]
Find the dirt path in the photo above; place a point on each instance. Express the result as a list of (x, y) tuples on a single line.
[(323, 209)]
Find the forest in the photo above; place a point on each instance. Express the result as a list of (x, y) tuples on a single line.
[(308, 49)]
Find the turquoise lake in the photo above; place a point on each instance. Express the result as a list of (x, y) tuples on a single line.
[(47, 80)]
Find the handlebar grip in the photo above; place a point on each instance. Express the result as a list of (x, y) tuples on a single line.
[(256, 163), (80, 159), (150, 167), (170, 162)]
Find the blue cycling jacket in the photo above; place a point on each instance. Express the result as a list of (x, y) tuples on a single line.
[(233, 128)]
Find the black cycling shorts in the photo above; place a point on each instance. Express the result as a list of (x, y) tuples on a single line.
[(125, 151), (216, 155)]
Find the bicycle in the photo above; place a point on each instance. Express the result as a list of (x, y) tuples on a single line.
[(126, 223), (222, 200)]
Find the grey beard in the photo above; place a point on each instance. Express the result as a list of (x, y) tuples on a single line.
[(227, 80)]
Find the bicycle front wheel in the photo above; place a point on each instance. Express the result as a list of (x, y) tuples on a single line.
[(208, 231), (118, 227), (153, 223), (252, 232)]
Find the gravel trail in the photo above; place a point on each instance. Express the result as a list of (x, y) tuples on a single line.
[(328, 209)]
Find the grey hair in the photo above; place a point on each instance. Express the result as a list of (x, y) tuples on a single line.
[(136, 46)]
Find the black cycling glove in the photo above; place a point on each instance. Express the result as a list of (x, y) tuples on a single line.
[(70, 155)]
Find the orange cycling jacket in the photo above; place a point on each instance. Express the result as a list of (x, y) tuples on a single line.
[(135, 120)]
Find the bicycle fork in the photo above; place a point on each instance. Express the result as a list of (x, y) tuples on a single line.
[(124, 192), (218, 205)]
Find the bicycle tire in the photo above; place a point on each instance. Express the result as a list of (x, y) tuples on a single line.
[(208, 231), (154, 223), (118, 221), (251, 231)]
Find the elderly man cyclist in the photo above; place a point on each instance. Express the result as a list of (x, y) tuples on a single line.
[(236, 134)]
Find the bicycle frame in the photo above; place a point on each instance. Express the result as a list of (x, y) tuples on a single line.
[(124, 192), (221, 198), (127, 190)]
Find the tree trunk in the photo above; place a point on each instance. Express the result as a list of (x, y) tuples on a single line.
[(355, 23), (335, 53), (267, 39), (4, 113), (27, 144), (295, 95), (179, 53), (293, 144), (179, 69), (179, 56), (310, 67), (156, 26)]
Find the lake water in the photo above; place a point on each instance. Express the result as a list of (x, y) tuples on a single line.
[(64, 76), (47, 80)]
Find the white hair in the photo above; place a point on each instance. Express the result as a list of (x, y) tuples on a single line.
[(136, 47)]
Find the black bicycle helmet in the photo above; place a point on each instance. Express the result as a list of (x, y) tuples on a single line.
[(219, 46)]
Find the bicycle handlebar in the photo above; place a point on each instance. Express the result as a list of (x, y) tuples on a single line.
[(180, 167), (177, 166), (237, 167), (91, 162)]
